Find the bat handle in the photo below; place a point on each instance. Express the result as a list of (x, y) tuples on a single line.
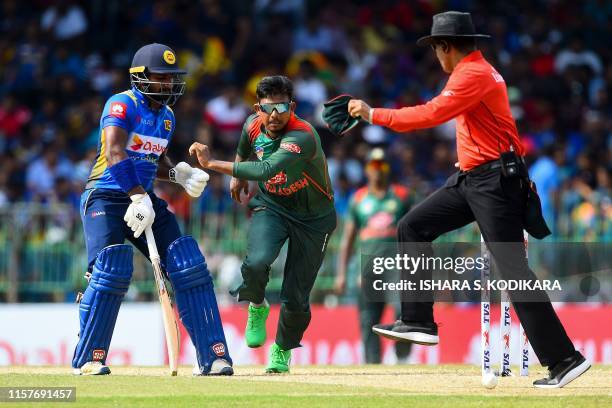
[(153, 254)]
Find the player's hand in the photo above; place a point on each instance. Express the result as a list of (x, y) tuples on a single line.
[(140, 213), (192, 179), (202, 152), (340, 285), (359, 109), (238, 186)]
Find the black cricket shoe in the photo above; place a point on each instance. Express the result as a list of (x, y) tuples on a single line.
[(564, 372), (409, 332)]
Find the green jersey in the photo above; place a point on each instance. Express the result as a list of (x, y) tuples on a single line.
[(291, 169), (376, 218)]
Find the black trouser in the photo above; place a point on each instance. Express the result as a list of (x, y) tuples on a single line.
[(267, 234), (496, 203)]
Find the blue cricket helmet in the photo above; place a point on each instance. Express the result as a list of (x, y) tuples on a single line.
[(157, 59)]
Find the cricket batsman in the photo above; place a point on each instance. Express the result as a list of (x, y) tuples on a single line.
[(492, 187), (119, 203), (295, 203)]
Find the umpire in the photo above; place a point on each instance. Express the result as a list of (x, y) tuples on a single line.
[(491, 188)]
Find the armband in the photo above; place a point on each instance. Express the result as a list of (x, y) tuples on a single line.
[(124, 174)]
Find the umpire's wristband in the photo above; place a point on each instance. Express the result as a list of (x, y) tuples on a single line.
[(124, 174)]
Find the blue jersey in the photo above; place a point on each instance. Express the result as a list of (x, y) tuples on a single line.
[(149, 134)]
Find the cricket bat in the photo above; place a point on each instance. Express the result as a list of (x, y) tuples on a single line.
[(170, 325)]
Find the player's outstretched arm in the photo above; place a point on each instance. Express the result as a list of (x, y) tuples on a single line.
[(460, 94), (205, 160), (299, 146)]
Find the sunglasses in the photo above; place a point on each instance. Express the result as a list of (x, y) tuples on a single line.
[(379, 165), (280, 108)]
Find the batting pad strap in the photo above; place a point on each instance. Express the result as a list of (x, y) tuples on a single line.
[(185, 264), (99, 307), (124, 174)]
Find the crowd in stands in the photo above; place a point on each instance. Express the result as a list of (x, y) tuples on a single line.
[(60, 61)]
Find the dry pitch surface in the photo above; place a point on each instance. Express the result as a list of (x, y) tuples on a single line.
[(354, 386)]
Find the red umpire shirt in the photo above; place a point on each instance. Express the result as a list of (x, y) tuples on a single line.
[(476, 96)]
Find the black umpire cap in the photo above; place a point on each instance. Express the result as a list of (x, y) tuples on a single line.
[(451, 24), (156, 59)]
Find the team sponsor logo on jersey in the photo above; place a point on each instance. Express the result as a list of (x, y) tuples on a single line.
[(168, 125), (95, 214), (380, 220), (218, 349), (280, 178), (118, 110), (146, 144), (98, 355), (137, 143), (448, 93), (259, 152), (169, 57), (291, 147), (286, 191)]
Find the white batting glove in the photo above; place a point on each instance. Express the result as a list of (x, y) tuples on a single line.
[(192, 179), (140, 214)]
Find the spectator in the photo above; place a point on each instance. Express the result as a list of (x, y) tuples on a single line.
[(313, 37), (65, 20), (57, 68), (13, 118), (43, 173), (67, 63), (545, 173), (576, 55), (339, 166), (226, 114), (309, 90)]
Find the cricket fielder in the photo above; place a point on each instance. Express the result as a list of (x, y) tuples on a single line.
[(295, 203), (374, 211), (119, 203)]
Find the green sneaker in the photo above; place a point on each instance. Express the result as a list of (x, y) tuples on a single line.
[(279, 360), (255, 333)]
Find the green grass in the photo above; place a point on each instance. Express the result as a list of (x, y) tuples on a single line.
[(370, 386)]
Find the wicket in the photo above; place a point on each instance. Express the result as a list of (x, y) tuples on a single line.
[(505, 323)]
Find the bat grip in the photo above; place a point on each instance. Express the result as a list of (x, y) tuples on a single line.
[(153, 254)]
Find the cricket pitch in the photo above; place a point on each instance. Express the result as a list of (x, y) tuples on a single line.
[(313, 386)]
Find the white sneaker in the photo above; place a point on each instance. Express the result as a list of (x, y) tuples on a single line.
[(92, 368), (219, 367)]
